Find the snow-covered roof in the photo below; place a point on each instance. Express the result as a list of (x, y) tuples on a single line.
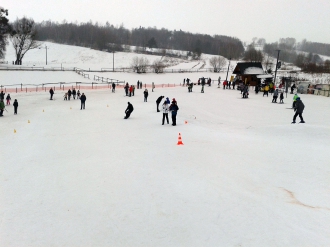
[(253, 71)]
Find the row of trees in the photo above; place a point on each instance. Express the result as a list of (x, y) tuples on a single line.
[(109, 37)]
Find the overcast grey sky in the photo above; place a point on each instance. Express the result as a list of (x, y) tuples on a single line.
[(244, 19)]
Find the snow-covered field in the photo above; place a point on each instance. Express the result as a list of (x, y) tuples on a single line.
[(245, 176)]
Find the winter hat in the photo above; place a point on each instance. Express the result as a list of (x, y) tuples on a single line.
[(298, 98), (128, 103)]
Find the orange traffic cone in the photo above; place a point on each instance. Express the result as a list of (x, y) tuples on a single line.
[(179, 140)]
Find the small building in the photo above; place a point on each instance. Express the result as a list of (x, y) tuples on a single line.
[(248, 72)]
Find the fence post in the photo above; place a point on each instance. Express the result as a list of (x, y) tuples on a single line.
[(26, 89), (92, 85), (16, 90), (21, 86)]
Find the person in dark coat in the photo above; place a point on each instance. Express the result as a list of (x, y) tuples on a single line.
[(128, 110), (299, 108), (83, 100), (174, 110), (15, 106), (113, 87), (2, 95), (8, 98), (281, 98), (126, 88), (158, 102), (2, 107), (69, 94), (51, 92), (74, 93), (145, 93)]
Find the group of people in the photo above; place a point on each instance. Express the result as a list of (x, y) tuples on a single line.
[(67, 95), (129, 90), (8, 99), (168, 107)]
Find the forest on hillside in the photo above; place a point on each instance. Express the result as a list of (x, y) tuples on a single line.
[(109, 38)]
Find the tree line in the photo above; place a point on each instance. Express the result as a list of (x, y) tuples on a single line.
[(110, 38)]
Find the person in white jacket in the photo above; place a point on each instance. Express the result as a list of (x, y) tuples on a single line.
[(165, 112)]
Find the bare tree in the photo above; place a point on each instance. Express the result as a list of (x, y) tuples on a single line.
[(217, 63), (140, 65), (23, 37), (158, 66)]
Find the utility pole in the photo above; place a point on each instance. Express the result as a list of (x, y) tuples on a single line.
[(278, 54), (228, 68), (113, 61)]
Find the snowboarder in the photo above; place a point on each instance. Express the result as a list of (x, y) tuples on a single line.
[(128, 110), (145, 93), (2, 107), (165, 112), (8, 99), (158, 102), (51, 92), (174, 110), (83, 100), (299, 108), (15, 106)]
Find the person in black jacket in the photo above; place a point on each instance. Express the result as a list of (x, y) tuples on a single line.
[(69, 93), (174, 110), (299, 108), (74, 93), (113, 87), (83, 99), (145, 93), (15, 106), (158, 102), (51, 91), (128, 110)]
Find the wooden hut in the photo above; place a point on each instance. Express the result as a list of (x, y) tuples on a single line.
[(248, 71)]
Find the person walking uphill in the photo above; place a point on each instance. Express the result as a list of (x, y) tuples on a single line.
[(174, 110), (15, 106), (83, 100), (299, 108), (128, 110), (158, 102)]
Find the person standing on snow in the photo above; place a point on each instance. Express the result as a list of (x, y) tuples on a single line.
[(165, 112), (152, 87), (126, 88), (174, 110), (2, 107), (128, 110), (113, 87), (78, 94), (83, 100), (51, 92), (15, 106), (158, 102), (2, 95), (299, 108), (145, 93), (8, 99), (281, 98), (74, 93), (69, 94), (275, 95)]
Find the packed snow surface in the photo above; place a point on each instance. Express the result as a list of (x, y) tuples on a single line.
[(245, 175)]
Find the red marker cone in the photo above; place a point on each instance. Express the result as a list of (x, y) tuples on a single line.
[(180, 140)]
